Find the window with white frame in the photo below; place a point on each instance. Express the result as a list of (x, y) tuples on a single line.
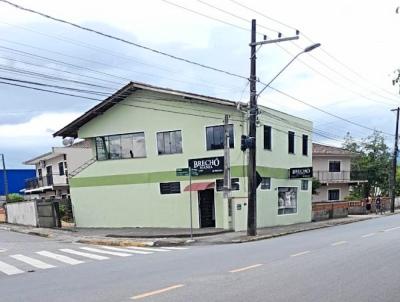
[(265, 183), (121, 146), (333, 194), (304, 184), (169, 142), (334, 166), (215, 137), (287, 200)]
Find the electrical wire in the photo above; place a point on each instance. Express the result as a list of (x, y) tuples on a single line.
[(121, 40)]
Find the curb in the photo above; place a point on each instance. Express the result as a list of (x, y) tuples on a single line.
[(263, 237)]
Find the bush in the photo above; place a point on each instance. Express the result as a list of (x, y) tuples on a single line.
[(14, 197)]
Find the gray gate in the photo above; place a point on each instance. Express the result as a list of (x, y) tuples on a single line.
[(48, 214)]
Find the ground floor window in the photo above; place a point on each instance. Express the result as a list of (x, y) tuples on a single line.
[(170, 187), (265, 183), (219, 184), (287, 200), (304, 184), (333, 194)]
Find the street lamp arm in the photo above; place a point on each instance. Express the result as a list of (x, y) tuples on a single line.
[(307, 49), (282, 70)]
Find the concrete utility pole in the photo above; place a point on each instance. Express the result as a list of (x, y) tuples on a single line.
[(251, 139), (394, 162), (227, 162)]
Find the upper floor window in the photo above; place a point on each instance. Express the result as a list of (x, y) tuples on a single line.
[(169, 142), (334, 166), (215, 137), (121, 146), (305, 144), (267, 137), (61, 168), (291, 142)]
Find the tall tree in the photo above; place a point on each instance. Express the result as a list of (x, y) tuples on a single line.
[(371, 162)]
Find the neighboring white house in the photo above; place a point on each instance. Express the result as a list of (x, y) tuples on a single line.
[(52, 168), (332, 167)]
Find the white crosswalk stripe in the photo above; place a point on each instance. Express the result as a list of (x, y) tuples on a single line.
[(88, 252), (125, 250), (83, 254), (32, 261), (149, 249), (60, 258), (9, 269), (90, 249)]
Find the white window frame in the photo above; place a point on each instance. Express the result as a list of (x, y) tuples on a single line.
[(332, 189), (162, 131)]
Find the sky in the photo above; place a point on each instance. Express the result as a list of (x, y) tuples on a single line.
[(349, 76)]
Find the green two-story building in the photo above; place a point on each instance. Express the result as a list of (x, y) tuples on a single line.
[(141, 134)]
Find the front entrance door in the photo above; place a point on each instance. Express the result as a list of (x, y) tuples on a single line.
[(206, 209)]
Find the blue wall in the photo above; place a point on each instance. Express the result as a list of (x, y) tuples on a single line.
[(16, 179)]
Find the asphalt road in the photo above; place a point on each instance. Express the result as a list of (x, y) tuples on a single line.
[(354, 262)]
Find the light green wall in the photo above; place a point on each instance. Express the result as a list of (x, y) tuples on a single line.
[(118, 193)]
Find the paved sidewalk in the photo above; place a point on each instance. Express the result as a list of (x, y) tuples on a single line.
[(165, 237)]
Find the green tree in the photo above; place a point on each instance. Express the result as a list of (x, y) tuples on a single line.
[(371, 161)]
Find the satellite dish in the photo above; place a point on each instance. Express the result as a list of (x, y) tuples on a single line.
[(68, 141)]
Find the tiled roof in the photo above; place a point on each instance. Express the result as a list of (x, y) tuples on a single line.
[(319, 149)]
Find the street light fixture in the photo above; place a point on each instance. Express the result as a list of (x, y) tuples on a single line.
[(307, 49)]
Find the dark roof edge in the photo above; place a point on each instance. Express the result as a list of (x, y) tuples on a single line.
[(72, 128)]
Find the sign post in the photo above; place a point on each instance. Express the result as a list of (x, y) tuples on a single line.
[(189, 172)]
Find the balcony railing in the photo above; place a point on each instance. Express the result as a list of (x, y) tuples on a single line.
[(37, 182), (325, 176)]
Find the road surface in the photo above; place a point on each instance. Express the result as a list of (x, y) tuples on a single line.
[(354, 262)]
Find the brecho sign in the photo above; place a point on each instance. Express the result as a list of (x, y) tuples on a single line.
[(305, 172), (208, 165)]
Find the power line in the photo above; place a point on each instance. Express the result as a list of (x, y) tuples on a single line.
[(108, 65), (55, 86), (48, 90), (326, 112), (311, 40), (121, 39)]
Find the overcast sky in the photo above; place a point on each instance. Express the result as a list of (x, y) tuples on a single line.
[(349, 76)]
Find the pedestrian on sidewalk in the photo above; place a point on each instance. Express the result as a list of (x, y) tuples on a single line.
[(378, 205), (368, 202)]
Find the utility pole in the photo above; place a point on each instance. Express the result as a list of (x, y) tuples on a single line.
[(251, 139), (394, 162), (5, 177), (251, 167), (227, 164)]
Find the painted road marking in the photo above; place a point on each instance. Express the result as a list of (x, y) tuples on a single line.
[(299, 254), (152, 249), (2, 250), (125, 250), (90, 249), (391, 229), (32, 261), (245, 268), (83, 254), (9, 269), (339, 243), (178, 248), (156, 292), (60, 258), (368, 235)]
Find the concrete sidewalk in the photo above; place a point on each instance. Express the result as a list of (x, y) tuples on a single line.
[(165, 237)]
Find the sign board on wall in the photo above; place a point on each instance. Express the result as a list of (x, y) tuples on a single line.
[(305, 172), (207, 165)]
